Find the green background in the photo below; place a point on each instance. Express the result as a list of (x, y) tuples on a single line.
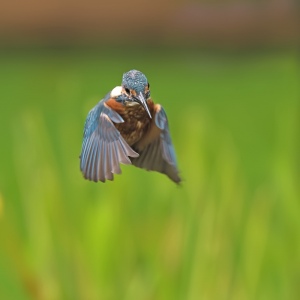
[(229, 231)]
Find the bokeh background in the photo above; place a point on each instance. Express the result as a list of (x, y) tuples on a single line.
[(227, 73)]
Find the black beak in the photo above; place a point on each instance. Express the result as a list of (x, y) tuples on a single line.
[(141, 100)]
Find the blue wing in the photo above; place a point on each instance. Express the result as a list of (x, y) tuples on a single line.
[(103, 147), (156, 149)]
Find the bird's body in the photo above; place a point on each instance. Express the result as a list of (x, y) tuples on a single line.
[(127, 123), (136, 120)]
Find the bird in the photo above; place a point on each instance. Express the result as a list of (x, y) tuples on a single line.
[(127, 127)]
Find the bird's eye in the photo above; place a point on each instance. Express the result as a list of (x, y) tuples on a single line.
[(127, 91)]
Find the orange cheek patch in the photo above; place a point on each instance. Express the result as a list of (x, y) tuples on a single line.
[(116, 106), (133, 92)]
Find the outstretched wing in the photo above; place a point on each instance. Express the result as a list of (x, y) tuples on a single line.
[(156, 149), (103, 147)]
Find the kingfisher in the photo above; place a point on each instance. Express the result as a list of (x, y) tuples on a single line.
[(127, 127)]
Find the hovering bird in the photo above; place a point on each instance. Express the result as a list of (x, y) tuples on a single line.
[(127, 127)]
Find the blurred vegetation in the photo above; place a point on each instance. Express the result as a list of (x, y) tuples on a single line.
[(230, 231)]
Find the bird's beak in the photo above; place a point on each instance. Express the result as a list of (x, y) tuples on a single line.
[(141, 100)]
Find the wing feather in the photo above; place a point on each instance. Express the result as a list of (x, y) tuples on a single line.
[(103, 147), (156, 149)]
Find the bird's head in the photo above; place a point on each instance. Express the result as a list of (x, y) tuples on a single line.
[(135, 89)]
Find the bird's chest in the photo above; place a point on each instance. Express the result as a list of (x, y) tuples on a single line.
[(136, 123)]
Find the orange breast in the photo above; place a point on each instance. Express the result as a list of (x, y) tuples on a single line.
[(136, 120)]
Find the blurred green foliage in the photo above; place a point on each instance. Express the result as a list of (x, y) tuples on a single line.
[(230, 231)]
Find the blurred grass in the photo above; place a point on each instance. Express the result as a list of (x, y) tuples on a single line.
[(231, 231)]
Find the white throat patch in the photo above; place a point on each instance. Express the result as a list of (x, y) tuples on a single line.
[(131, 103)]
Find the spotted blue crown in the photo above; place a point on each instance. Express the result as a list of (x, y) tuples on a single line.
[(135, 80)]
